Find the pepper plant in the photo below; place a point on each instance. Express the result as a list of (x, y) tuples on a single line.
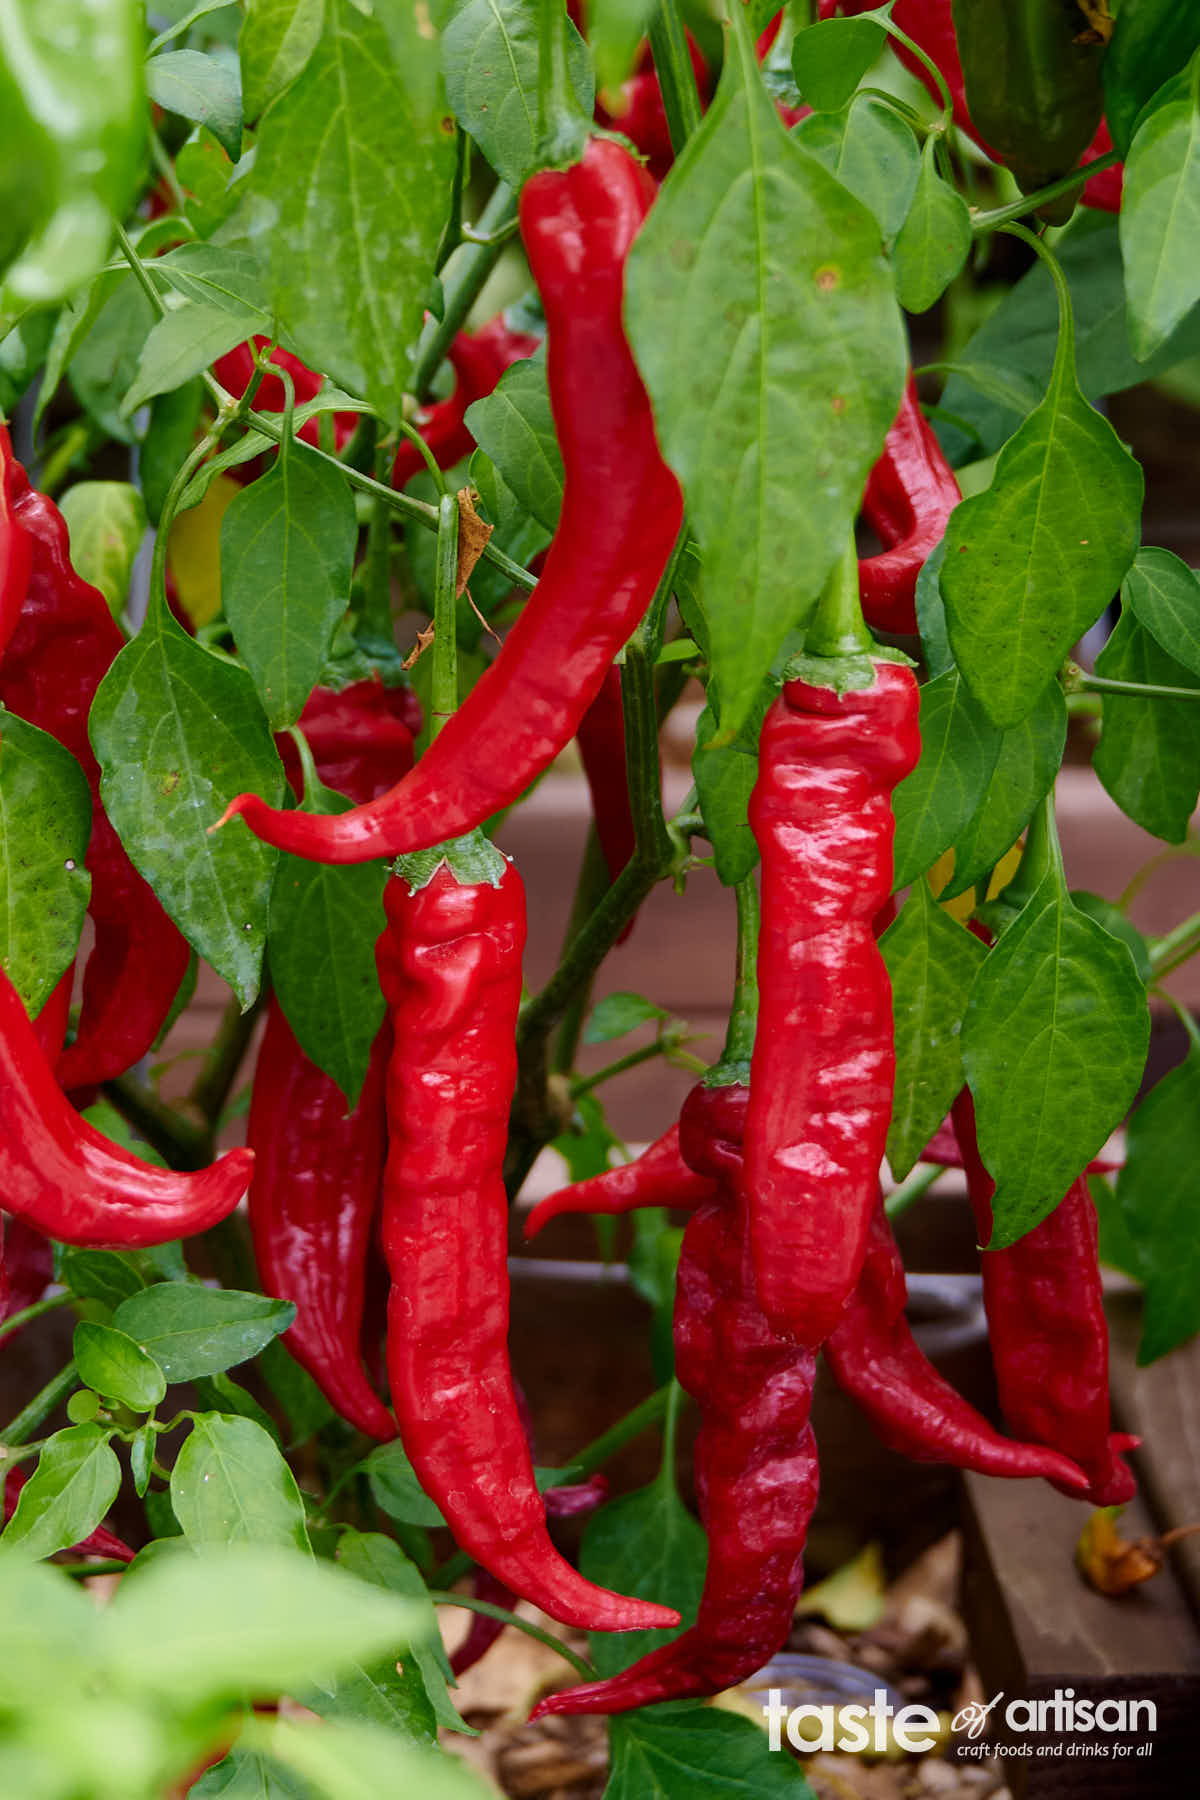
[(394, 394)]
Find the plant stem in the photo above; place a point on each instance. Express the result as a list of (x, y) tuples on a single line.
[(1142, 690), (185, 1146), (666, 1467), (375, 623), (838, 627), (918, 1181), (84, 1569), (1175, 947), (592, 885), (223, 1058), (1001, 215), (743, 1018), (602, 1449), (466, 272), (676, 76), (444, 687), (15, 1320), (585, 1084), (41, 1406), (440, 1597)]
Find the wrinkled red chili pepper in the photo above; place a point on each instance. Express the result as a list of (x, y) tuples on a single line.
[(69, 1181), (824, 1062), (658, 1177), (478, 359), (755, 1454), (1045, 1309), (16, 551), (26, 1268), (450, 969), (64, 641), (930, 24), (601, 740), (910, 494), (235, 372), (100, 1542), (621, 513)]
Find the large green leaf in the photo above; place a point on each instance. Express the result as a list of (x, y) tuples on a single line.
[(178, 732), (959, 747), (45, 823), (515, 426), (1156, 1197), (73, 1486), (230, 1485), (1019, 588), (351, 186), (1152, 41), (756, 252), (1164, 594), (698, 1754), (1023, 773), (649, 1545), (490, 61), (1160, 219), (370, 1556), (872, 152), (1054, 1043), (1148, 756), (277, 38), (932, 963), (202, 87), (192, 1330)]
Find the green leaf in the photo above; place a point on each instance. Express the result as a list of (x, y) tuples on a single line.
[(725, 774), (751, 249), (1152, 41), (617, 1014), (186, 341), (1023, 773), (1148, 756), (169, 436), (101, 351), (1156, 1196), (649, 1545), (323, 927), (241, 1619), (45, 823), (872, 152), (1164, 594), (193, 1330), (515, 427), (698, 1754), (117, 1367), (104, 1275), (372, 1557), (1019, 588), (245, 1775), (362, 1762), (1159, 219), (1054, 1043), (287, 554), (490, 61), (277, 38), (1018, 339), (230, 1485), (206, 89), (1117, 925), (206, 175), (959, 747), (831, 58), (106, 521), (615, 28), (217, 276), (178, 732), (75, 1482), (396, 1490), (931, 963), (37, 1663), (350, 189), (934, 240)]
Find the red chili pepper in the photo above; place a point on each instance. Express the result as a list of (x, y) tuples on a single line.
[(621, 513), (100, 1542), (658, 1177), (71, 1182), (16, 551), (50, 1025), (478, 361), (361, 737), (601, 740), (26, 1268), (755, 1454), (641, 115), (930, 23), (63, 644), (1049, 1337), (910, 494), (450, 968), (824, 1063), (235, 372)]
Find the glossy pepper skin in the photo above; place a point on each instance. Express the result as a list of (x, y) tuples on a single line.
[(361, 737), (823, 1067), (68, 1180), (1048, 1332), (930, 23), (16, 551), (63, 643), (478, 359), (658, 1177), (755, 1454), (910, 494), (450, 968), (621, 513)]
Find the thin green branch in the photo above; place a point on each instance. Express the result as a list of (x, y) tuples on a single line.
[(470, 1604), (1141, 690), (466, 272), (27, 1314), (1001, 215), (40, 1407), (676, 76)]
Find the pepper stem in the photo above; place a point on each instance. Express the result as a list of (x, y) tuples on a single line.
[(838, 627), (733, 1068), (444, 692), (563, 126)]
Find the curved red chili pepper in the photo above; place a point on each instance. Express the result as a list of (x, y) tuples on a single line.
[(910, 494), (601, 740), (16, 551), (26, 1268), (450, 968), (658, 1177), (100, 1542), (1049, 1337), (824, 1062), (73, 1183), (478, 359), (930, 23), (755, 1454), (62, 646), (621, 513), (235, 371)]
